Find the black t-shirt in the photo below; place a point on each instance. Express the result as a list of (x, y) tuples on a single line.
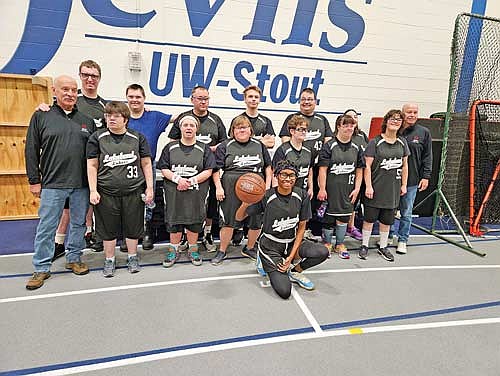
[(261, 124), (302, 159), (250, 156), (211, 132), (93, 108)]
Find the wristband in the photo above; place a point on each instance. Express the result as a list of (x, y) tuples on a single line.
[(176, 178)]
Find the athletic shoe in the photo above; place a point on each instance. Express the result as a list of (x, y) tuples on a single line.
[(238, 235), (78, 268), (171, 258), (183, 245), (310, 236), (385, 253), (36, 280), (208, 242), (301, 280), (329, 246), (109, 268), (218, 258), (97, 246), (363, 252), (353, 232), (260, 268), (133, 264), (251, 253), (341, 249), (195, 256), (59, 251), (401, 248)]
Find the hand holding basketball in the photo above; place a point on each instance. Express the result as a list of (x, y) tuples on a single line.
[(250, 188)]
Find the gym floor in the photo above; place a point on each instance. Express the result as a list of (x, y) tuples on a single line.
[(434, 311)]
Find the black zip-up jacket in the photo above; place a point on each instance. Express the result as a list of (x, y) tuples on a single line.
[(55, 148), (420, 160)]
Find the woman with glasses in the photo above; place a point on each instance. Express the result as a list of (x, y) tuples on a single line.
[(234, 157), (286, 210), (295, 152), (340, 175), (186, 166), (386, 175)]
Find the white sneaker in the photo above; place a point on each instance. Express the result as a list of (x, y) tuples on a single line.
[(401, 248)]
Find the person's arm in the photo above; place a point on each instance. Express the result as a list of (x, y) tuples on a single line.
[(92, 166), (368, 176), (268, 141), (357, 185), (269, 176), (322, 194), (147, 170), (327, 139), (404, 176), (32, 156), (285, 265), (241, 212), (219, 190), (183, 184), (426, 163)]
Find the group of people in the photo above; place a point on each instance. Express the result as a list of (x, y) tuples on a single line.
[(83, 150)]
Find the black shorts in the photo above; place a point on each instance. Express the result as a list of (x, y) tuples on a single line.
[(114, 213), (330, 220), (384, 216), (195, 227)]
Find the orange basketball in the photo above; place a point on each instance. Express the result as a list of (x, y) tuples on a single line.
[(250, 188)]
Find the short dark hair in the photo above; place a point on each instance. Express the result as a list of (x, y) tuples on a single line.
[(308, 90), (135, 87), (198, 87), (89, 64), (388, 115), (116, 107), (343, 119), (252, 87)]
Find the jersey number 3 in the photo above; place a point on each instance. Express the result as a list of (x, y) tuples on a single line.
[(132, 172)]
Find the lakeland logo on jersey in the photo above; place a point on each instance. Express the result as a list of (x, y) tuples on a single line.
[(391, 163), (342, 168), (206, 139), (285, 224), (247, 160), (312, 135), (184, 171), (119, 159), (303, 171)]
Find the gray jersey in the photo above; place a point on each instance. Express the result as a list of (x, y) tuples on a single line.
[(211, 132), (386, 171), (341, 161), (302, 159), (93, 108), (261, 124)]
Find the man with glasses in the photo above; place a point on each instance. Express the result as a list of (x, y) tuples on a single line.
[(319, 132), (419, 170), (211, 132)]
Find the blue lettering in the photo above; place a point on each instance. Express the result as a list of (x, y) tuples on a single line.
[(263, 21), (197, 76), (200, 14), (155, 73), (279, 80), (107, 13), (262, 77), (295, 90), (302, 23), (348, 20), (316, 81), (242, 65)]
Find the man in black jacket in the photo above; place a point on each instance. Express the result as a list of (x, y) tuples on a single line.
[(419, 169), (56, 169)]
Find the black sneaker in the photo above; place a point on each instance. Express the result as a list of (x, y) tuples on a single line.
[(238, 235), (385, 253), (59, 251), (251, 253), (147, 239), (97, 246), (218, 258), (363, 252)]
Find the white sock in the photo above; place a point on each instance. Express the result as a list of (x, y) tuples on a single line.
[(111, 258), (366, 237), (60, 238), (384, 236), (132, 255)]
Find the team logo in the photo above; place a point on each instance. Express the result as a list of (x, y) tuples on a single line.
[(303, 171), (285, 223), (247, 160), (206, 139), (119, 159), (342, 168), (185, 171), (84, 128), (391, 163), (98, 122), (313, 135)]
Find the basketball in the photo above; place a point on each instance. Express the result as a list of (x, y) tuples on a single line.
[(250, 188)]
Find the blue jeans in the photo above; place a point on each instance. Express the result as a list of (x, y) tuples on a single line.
[(51, 207), (149, 212), (406, 209)]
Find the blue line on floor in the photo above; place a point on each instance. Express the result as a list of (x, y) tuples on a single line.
[(281, 333)]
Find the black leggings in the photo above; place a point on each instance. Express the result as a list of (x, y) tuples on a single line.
[(312, 254)]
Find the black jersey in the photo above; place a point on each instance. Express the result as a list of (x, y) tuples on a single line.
[(360, 139), (211, 132), (282, 213), (302, 159), (342, 160), (386, 170), (93, 108), (120, 171), (251, 156), (261, 124), (186, 207), (318, 129)]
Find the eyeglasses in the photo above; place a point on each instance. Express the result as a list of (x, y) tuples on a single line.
[(284, 176), (86, 76), (113, 114), (303, 130), (307, 99), (395, 120), (201, 99), (242, 128)]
